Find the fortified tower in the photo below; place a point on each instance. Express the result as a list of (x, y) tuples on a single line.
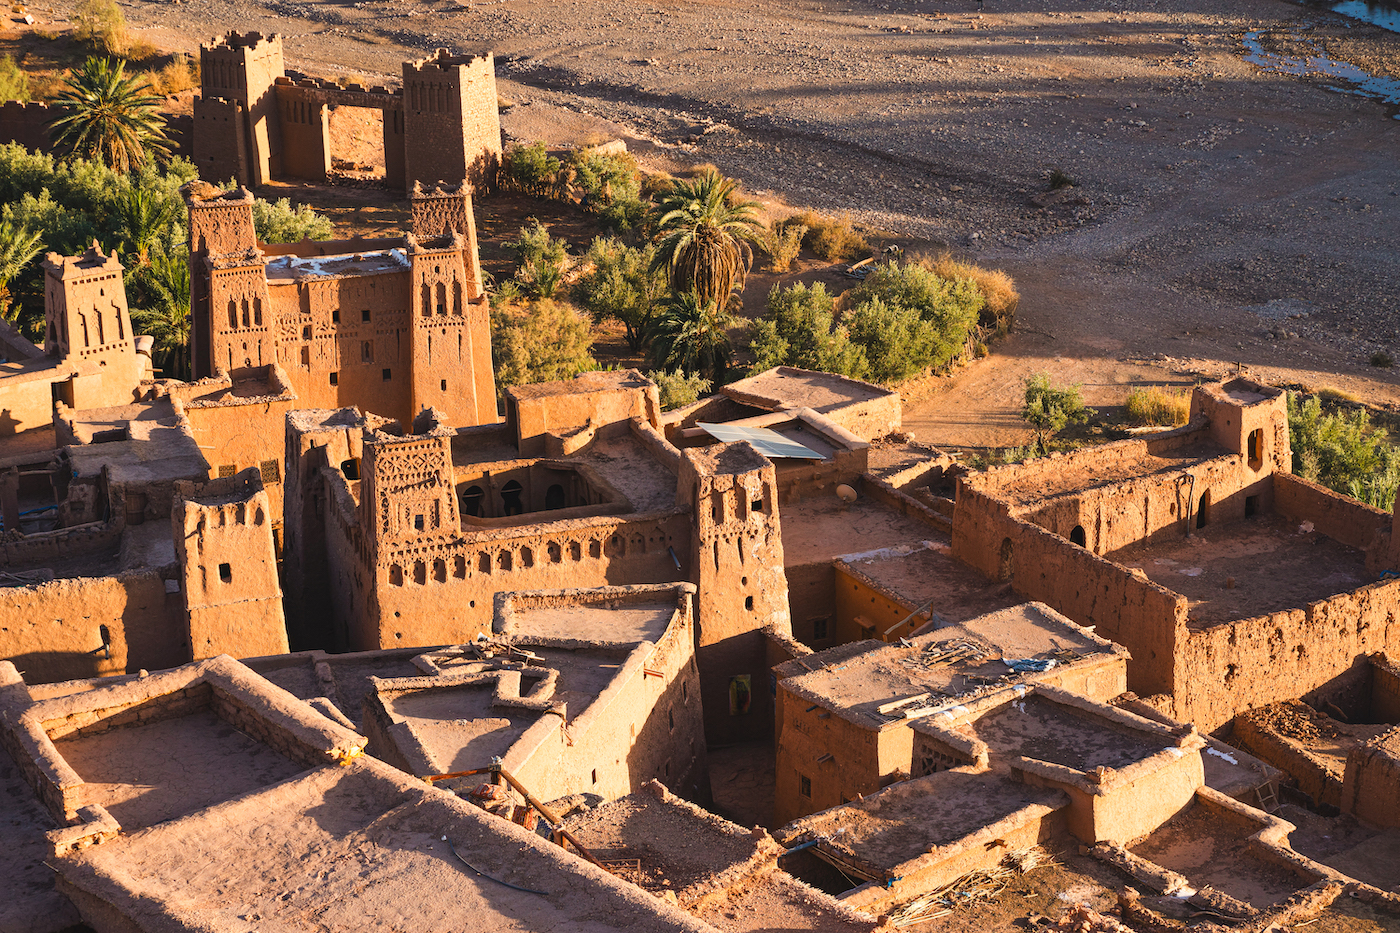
[(223, 542), (452, 128), (738, 569), (451, 328), (231, 323), (406, 492), (238, 133), (86, 321)]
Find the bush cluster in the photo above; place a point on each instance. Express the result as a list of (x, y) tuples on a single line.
[(1158, 405), (1343, 451)]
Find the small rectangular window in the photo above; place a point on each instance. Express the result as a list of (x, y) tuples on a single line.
[(804, 786), (226, 573), (306, 332), (227, 469), (364, 315), (335, 379), (819, 628), (335, 316), (444, 385), (271, 471), (417, 523), (387, 375)]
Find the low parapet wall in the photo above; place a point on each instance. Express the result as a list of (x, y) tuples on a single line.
[(1341, 518)]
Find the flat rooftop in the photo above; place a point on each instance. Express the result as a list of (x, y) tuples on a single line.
[(789, 387), (1047, 731), (823, 528), (30, 902), (284, 269), (146, 774), (598, 381), (1251, 567), (157, 445), (357, 847), (906, 820), (932, 574), (631, 622), (853, 680)]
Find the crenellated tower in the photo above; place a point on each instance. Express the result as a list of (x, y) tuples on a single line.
[(737, 566), (231, 319), (452, 127), (86, 321), (238, 131)]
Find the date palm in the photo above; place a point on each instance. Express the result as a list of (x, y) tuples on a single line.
[(145, 218), (167, 317), (109, 116), (18, 246), (705, 232), (692, 334)]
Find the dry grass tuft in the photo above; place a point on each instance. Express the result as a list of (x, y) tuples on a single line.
[(1159, 405), (996, 286)]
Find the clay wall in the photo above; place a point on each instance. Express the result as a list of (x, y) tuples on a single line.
[(532, 414), (27, 401), (440, 592), (838, 759), (1248, 419), (244, 67), (1254, 662), (306, 138), (1385, 690), (52, 631), (865, 610), (1145, 618), (243, 328), (451, 336), (1320, 778), (1371, 786), (220, 139), (1339, 517), (27, 124)]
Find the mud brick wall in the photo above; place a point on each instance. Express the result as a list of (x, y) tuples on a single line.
[(171, 705), (1339, 517), (1314, 776), (220, 138), (1371, 786), (1385, 690), (1254, 662), (26, 124), (238, 712)]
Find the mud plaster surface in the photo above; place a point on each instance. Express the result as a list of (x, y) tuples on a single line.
[(1039, 729), (630, 623), (149, 773), (742, 782), (1208, 850), (822, 528), (632, 471), (1070, 479), (28, 901), (769, 903), (958, 592), (339, 849), (1273, 565), (1363, 852), (892, 828)]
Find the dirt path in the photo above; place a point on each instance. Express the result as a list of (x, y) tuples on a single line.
[(1224, 214)]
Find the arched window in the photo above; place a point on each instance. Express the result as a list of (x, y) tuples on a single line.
[(232, 313), (1077, 536), (1203, 510), (554, 497), (472, 499), (510, 499), (442, 298)]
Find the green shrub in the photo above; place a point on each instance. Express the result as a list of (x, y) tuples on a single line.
[(1059, 179), (833, 239), (1343, 452), (628, 216), (541, 261), (997, 287), (800, 330), (280, 222), (620, 285), (14, 83), (529, 170), (539, 341), (100, 24), (782, 244), (605, 177), (679, 387), (1050, 408), (1158, 405), (1382, 360), (909, 319)]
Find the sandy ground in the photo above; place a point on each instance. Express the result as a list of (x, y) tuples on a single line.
[(1221, 209)]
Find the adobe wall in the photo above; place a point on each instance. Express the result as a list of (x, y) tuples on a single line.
[(598, 399), (1254, 662), (306, 138), (1371, 785), (1131, 610), (1385, 690), (220, 139), (27, 401), (452, 127), (440, 593), (860, 598), (51, 631), (1339, 517), (27, 124), (1318, 777), (842, 760)]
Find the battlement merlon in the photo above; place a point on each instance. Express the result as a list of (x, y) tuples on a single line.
[(239, 42), (93, 262), (444, 60)]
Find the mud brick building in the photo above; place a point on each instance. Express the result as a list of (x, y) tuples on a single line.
[(253, 122)]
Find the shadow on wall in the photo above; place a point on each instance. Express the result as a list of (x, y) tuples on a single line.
[(41, 667)]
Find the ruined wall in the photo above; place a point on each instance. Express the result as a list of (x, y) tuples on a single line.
[(1240, 665), (306, 138), (1385, 690), (53, 631), (591, 398), (1371, 786), (1131, 610), (27, 401), (864, 610), (1339, 517)]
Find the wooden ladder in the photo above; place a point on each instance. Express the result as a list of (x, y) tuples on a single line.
[(1268, 799)]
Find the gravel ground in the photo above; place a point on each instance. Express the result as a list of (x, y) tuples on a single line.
[(1226, 216)]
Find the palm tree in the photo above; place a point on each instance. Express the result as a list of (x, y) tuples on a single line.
[(691, 334), (110, 116), (705, 235), (144, 218), (167, 281), (18, 246)]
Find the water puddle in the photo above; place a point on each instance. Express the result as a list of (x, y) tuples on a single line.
[(1383, 15), (1316, 63)]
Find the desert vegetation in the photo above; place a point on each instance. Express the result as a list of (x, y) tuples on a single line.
[(1051, 407), (1343, 450), (1158, 405)]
